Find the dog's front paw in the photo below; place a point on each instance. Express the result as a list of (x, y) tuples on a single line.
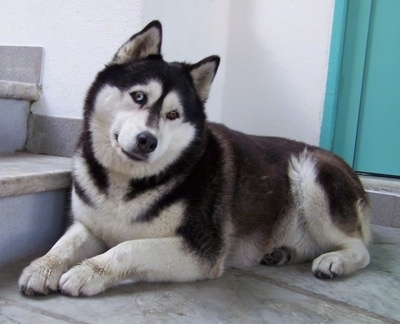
[(86, 279), (328, 266), (41, 276)]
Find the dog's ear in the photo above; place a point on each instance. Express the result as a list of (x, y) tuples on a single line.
[(144, 43), (203, 74)]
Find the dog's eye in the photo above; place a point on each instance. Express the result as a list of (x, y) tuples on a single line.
[(172, 115), (139, 97)]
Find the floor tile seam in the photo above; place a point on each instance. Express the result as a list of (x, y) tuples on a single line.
[(394, 275), (40, 311), (318, 296)]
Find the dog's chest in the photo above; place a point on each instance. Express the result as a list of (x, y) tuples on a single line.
[(116, 219)]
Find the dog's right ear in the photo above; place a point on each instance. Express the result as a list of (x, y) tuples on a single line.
[(144, 43)]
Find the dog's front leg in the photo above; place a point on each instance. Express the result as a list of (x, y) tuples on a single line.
[(43, 274), (163, 259)]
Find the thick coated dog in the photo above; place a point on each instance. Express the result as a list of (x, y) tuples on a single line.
[(160, 194)]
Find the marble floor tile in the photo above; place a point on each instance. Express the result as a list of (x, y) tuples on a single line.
[(10, 312), (257, 295)]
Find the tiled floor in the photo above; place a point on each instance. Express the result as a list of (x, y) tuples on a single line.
[(259, 295)]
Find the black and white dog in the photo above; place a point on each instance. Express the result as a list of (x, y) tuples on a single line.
[(160, 194)]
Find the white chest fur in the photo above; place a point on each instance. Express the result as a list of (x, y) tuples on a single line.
[(115, 219)]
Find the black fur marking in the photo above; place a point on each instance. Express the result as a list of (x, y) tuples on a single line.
[(166, 201), (154, 113), (139, 186), (202, 227), (97, 172), (202, 232), (81, 192)]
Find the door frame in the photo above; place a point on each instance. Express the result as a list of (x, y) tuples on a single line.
[(344, 86)]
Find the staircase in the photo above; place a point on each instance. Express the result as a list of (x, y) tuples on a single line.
[(33, 187)]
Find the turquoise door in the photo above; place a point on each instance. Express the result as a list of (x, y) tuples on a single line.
[(367, 123)]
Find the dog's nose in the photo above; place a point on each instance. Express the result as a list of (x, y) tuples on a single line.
[(146, 142)]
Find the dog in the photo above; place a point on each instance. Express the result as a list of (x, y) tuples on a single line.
[(161, 194)]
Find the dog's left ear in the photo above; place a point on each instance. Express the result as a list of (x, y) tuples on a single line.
[(203, 74), (144, 43)]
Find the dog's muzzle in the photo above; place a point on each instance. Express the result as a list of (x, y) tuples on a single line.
[(145, 144)]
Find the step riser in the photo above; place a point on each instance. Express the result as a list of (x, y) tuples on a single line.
[(385, 209), (31, 223), (13, 124)]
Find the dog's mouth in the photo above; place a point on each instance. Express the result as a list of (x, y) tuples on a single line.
[(134, 156)]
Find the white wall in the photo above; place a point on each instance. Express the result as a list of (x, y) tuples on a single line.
[(277, 63), (78, 37)]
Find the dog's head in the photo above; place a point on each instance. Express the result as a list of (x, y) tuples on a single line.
[(141, 112)]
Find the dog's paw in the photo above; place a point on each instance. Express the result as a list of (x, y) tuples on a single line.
[(41, 276), (328, 266), (86, 279), (278, 257)]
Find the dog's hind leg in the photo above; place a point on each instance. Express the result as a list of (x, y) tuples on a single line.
[(333, 212), (349, 257), (279, 256), (152, 260), (348, 250)]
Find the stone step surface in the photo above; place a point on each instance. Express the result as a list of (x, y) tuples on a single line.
[(25, 173)]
